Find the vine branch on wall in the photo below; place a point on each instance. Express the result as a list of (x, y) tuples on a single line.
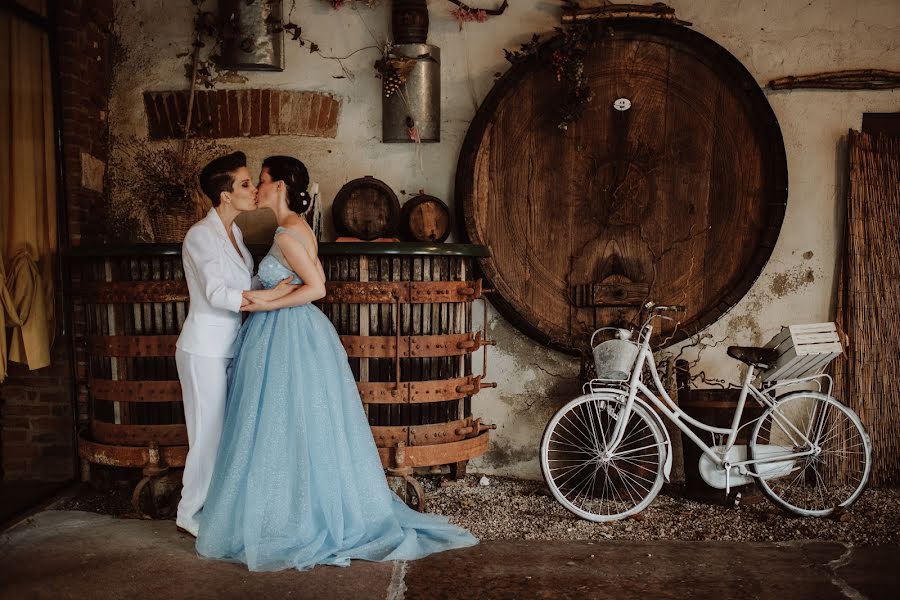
[(573, 12), (851, 79), (488, 11)]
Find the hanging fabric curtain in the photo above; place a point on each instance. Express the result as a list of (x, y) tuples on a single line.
[(28, 236)]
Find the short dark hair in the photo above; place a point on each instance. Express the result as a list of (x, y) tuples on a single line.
[(218, 175), (295, 176)]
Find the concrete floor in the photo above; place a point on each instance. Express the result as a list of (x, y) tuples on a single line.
[(20, 497), (70, 554)]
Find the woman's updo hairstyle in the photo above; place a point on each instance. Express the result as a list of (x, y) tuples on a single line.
[(294, 175)]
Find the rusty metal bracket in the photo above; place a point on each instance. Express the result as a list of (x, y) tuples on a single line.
[(475, 428), (389, 436), (135, 391), (133, 345), (128, 456), (138, 435), (397, 342), (413, 483), (436, 292), (131, 292), (485, 343), (438, 433), (405, 292), (420, 392), (410, 346), (434, 454), (154, 468), (474, 385), (365, 292), (378, 392)]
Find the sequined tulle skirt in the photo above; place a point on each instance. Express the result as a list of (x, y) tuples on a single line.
[(298, 481)]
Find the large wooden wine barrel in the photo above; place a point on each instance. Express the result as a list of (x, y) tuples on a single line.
[(366, 208), (677, 195)]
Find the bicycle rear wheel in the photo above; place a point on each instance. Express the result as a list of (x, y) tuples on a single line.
[(836, 471), (584, 476)]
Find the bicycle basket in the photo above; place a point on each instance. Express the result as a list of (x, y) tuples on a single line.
[(613, 359)]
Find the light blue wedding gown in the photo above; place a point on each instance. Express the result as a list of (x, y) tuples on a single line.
[(298, 481)]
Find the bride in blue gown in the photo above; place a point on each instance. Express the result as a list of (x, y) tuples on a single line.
[(298, 481)]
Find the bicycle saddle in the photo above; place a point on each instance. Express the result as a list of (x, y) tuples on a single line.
[(752, 355)]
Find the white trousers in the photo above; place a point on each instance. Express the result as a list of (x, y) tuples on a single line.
[(203, 380)]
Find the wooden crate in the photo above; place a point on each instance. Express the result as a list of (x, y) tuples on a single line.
[(803, 350)]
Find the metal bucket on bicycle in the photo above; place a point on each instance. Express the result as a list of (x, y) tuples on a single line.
[(614, 358)]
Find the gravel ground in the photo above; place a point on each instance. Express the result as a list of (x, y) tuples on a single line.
[(520, 509), (517, 509)]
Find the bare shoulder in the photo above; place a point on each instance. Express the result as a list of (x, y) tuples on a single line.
[(302, 233)]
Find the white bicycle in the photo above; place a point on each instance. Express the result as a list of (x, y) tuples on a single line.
[(605, 454)]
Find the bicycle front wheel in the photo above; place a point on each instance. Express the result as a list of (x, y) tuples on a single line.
[(585, 475), (834, 454)]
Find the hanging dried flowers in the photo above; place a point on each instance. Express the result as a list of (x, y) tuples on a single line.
[(468, 15), (564, 55), (393, 70), (336, 4)]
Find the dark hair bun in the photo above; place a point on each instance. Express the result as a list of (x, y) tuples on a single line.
[(295, 176)]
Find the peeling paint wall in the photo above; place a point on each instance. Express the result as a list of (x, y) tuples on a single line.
[(770, 38)]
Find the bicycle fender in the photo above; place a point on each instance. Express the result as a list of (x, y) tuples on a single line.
[(667, 466)]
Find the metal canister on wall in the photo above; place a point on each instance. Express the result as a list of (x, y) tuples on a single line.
[(414, 112), (253, 40)]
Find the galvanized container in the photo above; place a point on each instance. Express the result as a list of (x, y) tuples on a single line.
[(418, 102), (253, 40), (613, 359)]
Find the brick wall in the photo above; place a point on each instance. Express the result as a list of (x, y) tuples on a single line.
[(38, 440), (242, 113), (36, 406), (86, 45)]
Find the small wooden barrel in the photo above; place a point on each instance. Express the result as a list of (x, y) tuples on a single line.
[(366, 208), (425, 218), (409, 21)]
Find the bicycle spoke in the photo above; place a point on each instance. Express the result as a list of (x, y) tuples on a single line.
[(626, 452), (631, 477), (625, 480), (836, 473), (593, 426), (573, 439), (650, 481)]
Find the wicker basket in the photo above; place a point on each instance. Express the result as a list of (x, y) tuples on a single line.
[(170, 228)]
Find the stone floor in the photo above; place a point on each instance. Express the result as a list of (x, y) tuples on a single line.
[(75, 554)]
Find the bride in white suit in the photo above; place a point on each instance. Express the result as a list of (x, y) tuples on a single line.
[(218, 269)]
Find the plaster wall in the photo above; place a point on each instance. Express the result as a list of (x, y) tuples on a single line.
[(770, 38)]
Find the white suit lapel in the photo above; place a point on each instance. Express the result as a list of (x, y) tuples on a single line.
[(245, 252), (227, 247)]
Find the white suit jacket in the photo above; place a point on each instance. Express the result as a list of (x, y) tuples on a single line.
[(216, 276)]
